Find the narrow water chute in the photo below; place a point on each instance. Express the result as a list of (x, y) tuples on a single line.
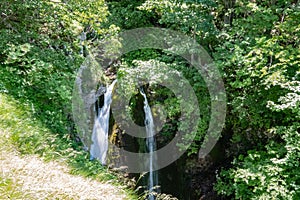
[(151, 146), (99, 146)]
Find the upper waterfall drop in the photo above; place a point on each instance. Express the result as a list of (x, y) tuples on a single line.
[(99, 138)]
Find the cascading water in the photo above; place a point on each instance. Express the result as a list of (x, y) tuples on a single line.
[(82, 38), (151, 145), (99, 144)]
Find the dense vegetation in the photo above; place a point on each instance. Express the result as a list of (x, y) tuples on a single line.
[(255, 44), (40, 54)]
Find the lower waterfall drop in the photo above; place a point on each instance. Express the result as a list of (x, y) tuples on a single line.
[(99, 144)]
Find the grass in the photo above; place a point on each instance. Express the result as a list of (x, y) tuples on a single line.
[(29, 136), (10, 190)]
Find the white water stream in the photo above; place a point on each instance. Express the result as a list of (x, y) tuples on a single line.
[(99, 144), (151, 145)]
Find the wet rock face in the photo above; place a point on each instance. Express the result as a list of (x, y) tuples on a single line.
[(201, 173), (111, 72), (196, 166), (201, 177)]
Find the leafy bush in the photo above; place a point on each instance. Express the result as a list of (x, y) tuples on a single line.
[(262, 74), (41, 52), (272, 173)]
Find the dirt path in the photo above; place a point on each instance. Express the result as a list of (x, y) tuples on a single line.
[(31, 178)]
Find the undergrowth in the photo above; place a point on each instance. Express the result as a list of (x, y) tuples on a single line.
[(9, 190), (30, 136)]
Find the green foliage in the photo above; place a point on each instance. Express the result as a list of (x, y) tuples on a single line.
[(40, 52), (125, 14), (269, 174), (261, 70), (163, 74), (30, 136), (260, 60), (254, 43), (191, 17), (10, 190)]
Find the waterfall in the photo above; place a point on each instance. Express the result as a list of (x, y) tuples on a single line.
[(82, 38), (99, 144), (151, 145)]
